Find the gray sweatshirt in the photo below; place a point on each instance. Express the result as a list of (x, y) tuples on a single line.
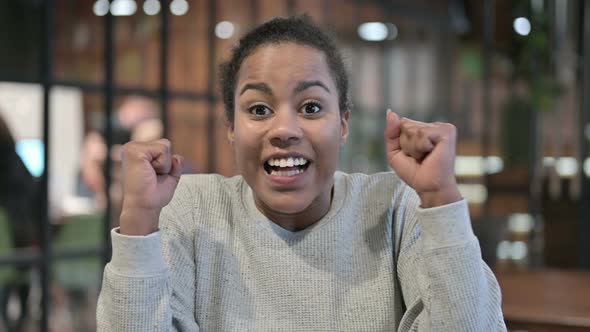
[(375, 262)]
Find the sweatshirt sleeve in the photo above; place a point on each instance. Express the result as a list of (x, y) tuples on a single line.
[(445, 284), (140, 291)]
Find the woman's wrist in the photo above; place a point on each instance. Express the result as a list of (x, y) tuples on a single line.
[(138, 222), (440, 197)]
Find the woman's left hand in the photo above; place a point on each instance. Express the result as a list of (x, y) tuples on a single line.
[(423, 155)]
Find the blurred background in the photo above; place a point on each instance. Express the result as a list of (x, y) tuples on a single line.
[(78, 78)]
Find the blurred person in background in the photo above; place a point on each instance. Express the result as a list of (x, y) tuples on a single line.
[(19, 204), (292, 244), (137, 119)]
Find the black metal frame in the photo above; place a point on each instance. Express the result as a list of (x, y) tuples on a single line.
[(489, 17), (164, 47), (584, 213), (46, 61), (109, 68)]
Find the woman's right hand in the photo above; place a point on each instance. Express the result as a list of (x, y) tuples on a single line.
[(150, 175)]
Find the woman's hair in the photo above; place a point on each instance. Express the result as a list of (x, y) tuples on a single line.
[(299, 30)]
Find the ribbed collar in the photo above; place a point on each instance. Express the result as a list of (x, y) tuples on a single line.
[(340, 194)]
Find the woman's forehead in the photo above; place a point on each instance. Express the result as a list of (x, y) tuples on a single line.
[(283, 63)]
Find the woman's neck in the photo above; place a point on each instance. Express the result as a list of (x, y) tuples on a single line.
[(294, 222)]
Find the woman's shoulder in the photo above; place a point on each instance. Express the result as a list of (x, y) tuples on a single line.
[(204, 194), (208, 185), (378, 189), (361, 181), (210, 179)]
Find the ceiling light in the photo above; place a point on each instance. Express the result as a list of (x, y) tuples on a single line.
[(224, 29), (478, 165), (179, 7), (522, 26), (151, 7), (473, 193), (101, 7), (373, 31), (391, 31), (519, 250), (123, 7), (566, 166)]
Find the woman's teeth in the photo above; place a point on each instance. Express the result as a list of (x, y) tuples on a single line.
[(287, 162), (287, 173), (286, 166)]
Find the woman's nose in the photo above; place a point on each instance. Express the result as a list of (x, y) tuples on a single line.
[(286, 129)]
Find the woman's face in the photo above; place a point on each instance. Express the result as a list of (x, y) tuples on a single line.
[(287, 131)]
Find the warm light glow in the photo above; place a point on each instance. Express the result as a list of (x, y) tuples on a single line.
[(123, 7), (391, 31), (224, 30), (522, 26), (520, 223), (548, 161), (566, 166), (151, 7), (473, 166), (503, 250), (101, 7), (519, 250), (179, 7), (373, 31), (493, 164), (474, 193), (516, 250), (477, 165)]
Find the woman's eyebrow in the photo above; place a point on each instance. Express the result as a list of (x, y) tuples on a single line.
[(308, 84), (301, 86), (257, 86)]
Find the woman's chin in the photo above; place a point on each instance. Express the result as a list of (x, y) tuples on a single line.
[(304, 204), (285, 205), (287, 208)]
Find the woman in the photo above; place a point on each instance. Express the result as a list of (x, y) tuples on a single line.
[(291, 244)]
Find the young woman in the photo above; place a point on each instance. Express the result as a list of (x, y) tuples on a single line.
[(291, 244)]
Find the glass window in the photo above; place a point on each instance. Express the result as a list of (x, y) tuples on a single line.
[(188, 133), (137, 42), (78, 43), (20, 37), (188, 63)]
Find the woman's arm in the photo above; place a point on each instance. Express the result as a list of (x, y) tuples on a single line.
[(445, 284), (150, 283)]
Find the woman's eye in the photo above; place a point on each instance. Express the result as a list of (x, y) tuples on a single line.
[(311, 108), (259, 110)]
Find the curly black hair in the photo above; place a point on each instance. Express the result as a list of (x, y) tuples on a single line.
[(299, 30)]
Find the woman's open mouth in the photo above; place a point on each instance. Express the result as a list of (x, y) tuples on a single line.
[(286, 167)]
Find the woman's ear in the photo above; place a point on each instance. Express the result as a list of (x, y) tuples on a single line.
[(344, 117)]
